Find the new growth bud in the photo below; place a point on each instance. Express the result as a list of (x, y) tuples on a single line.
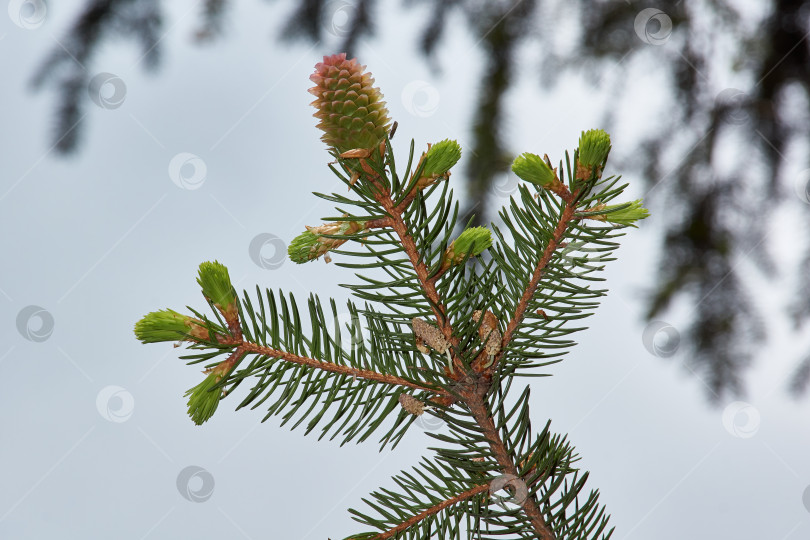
[(632, 212), (216, 286), (471, 242), (351, 111), (438, 161), (305, 247), (312, 243), (621, 214), (594, 147), (534, 169), (168, 325), (203, 399), (531, 168)]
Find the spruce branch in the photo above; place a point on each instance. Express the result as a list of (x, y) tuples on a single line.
[(481, 414), (432, 511), (563, 223), (428, 284), (462, 316)]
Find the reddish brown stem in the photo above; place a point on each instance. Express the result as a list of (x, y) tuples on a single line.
[(410, 522), (378, 223), (248, 347), (565, 220), (396, 222), (475, 401)]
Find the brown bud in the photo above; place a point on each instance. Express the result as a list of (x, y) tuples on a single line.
[(429, 335), (411, 404), (488, 332)]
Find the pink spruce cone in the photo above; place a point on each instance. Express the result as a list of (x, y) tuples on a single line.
[(350, 109)]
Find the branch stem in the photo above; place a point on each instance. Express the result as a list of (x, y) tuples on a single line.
[(253, 348), (396, 222), (410, 522), (564, 222), (478, 408)]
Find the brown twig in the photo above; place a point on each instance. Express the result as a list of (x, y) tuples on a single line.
[(396, 222), (254, 348), (478, 409), (565, 220), (410, 522)]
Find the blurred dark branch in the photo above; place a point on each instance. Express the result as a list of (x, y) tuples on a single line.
[(800, 381), (68, 65), (434, 30), (213, 16), (502, 27), (315, 20)]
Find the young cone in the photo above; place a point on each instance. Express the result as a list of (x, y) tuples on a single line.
[(351, 111)]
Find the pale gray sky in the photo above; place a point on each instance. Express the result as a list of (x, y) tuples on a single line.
[(94, 429)]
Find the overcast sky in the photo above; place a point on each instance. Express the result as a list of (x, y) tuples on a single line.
[(95, 436)]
